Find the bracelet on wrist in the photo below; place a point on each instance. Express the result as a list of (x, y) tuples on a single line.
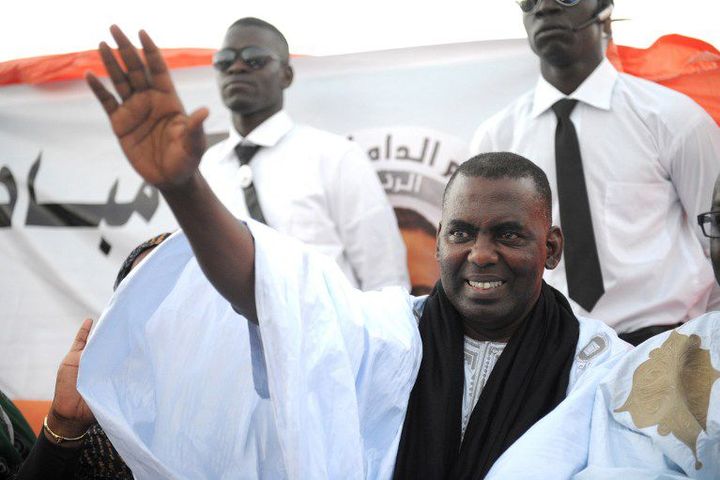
[(58, 439)]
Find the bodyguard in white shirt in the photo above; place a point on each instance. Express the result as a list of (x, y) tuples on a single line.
[(310, 184), (635, 163)]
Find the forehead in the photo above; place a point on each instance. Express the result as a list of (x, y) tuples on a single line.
[(480, 199), (716, 194), (241, 36)]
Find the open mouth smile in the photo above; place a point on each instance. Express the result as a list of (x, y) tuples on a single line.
[(485, 285)]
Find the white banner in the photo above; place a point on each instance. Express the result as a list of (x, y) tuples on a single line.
[(71, 208)]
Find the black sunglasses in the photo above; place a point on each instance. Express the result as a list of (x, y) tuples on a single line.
[(710, 224), (528, 6), (254, 57)]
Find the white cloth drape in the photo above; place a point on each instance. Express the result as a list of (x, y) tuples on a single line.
[(181, 383)]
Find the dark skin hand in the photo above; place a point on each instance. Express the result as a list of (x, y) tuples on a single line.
[(69, 414), (164, 145)]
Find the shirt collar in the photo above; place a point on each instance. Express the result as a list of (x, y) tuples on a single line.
[(267, 134), (596, 90)]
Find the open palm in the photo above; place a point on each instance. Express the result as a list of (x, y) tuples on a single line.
[(162, 142)]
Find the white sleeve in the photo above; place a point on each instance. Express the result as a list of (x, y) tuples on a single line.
[(366, 223), (694, 166), (185, 388), (340, 362)]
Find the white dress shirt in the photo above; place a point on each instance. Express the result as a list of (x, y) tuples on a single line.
[(650, 156), (319, 188)]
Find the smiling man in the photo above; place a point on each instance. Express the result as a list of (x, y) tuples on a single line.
[(655, 414), (632, 164), (310, 184), (501, 348), (339, 383)]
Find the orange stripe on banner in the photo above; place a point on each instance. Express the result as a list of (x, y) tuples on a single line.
[(72, 66), (34, 412), (685, 64)]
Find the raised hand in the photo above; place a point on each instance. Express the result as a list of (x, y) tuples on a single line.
[(160, 140), (69, 414), (165, 145)]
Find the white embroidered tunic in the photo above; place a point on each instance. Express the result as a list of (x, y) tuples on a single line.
[(480, 359)]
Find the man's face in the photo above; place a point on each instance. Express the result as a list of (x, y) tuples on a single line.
[(550, 32), (247, 91), (715, 242), (493, 245)]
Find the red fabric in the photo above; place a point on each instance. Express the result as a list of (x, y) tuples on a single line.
[(72, 66), (684, 64)]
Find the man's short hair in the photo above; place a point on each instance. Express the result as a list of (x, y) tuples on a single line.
[(256, 22), (506, 165)]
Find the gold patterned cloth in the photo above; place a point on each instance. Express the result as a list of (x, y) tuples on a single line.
[(658, 413), (653, 414)]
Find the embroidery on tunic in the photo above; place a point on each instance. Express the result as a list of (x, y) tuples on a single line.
[(596, 345), (672, 390), (480, 359)]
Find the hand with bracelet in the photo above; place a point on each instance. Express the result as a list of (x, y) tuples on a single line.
[(69, 428), (56, 453), (69, 418)]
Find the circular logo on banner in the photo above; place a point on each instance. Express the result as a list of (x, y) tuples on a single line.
[(414, 164)]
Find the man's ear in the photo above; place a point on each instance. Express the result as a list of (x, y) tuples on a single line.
[(437, 241), (604, 17), (288, 75), (554, 245)]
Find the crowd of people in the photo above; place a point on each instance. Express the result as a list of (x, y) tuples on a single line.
[(583, 215)]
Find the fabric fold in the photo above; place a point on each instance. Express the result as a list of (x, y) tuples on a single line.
[(173, 374)]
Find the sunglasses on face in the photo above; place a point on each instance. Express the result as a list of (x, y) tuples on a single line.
[(710, 224), (254, 57), (528, 6)]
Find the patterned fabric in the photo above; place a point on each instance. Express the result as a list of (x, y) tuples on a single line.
[(99, 460), (480, 359)]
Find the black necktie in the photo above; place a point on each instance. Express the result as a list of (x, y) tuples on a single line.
[(245, 153), (582, 266)]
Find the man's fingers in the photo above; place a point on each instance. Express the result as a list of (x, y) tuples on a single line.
[(156, 63), (82, 336), (136, 73), (195, 142), (117, 75), (196, 118), (107, 100)]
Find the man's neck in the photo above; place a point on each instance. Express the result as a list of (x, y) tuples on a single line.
[(501, 334), (568, 78), (246, 123)]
